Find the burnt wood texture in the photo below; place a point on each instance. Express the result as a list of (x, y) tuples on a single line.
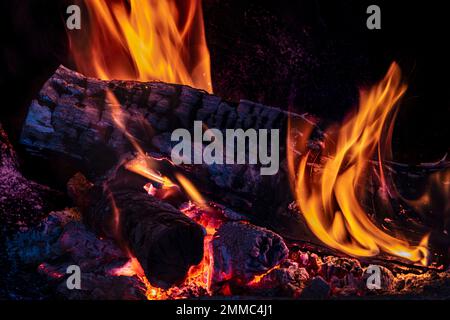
[(73, 118)]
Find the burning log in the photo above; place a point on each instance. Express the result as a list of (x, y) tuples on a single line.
[(22, 202), (73, 118), (163, 239)]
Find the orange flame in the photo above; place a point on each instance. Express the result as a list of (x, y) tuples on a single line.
[(257, 279), (191, 190), (142, 165), (144, 40), (133, 268), (200, 275), (329, 200)]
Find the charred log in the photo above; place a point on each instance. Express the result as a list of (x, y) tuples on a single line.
[(73, 118), (163, 239)]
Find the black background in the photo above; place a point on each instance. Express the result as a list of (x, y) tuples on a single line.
[(310, 55)]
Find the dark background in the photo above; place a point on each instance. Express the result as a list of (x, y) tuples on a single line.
[(310, 55)]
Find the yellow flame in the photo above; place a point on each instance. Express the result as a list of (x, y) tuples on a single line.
[(133, 268), (330, 200), (144, 40), (190, 189), (258, 278), (142, 165)]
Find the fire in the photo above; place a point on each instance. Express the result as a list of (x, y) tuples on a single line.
[(257, 279), (142, 165), (144, 40), (191, 190), (207, 216), (198, 276), (148, 40), (133, 268), (330, 199)]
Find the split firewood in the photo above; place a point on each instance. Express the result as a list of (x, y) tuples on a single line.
[(75, 118), (165, 241)]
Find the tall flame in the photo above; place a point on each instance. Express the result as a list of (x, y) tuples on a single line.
[(330, 200), (144, 40), (149, 40)]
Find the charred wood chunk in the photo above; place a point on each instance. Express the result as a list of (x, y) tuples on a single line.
[(288, 280), (242, 250), (22, 202), (317, 289), (165, 241)]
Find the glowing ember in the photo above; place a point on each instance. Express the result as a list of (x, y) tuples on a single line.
[(144, 40), (129, 269), (329, 200), (134, 268), (257, 279), (151, 190)]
